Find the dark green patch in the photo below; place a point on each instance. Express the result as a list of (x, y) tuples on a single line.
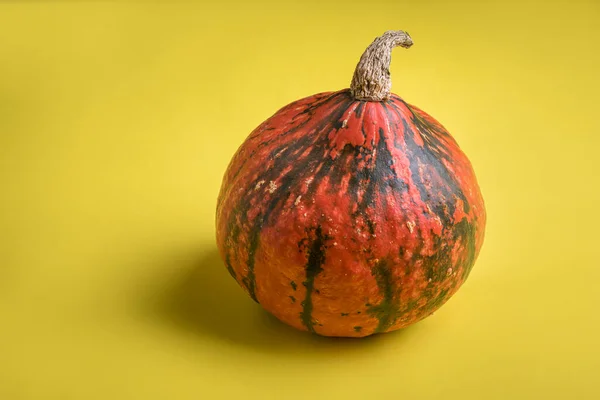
[(466, 231), (345, 314), (316, 258), (357, 328), (293, 285), (293, 299), (436, 302), (250, 280), (436, 266), (388, 310), (229, 267), (412, 304)]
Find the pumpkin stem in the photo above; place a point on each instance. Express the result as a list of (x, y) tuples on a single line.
[(371, 80)]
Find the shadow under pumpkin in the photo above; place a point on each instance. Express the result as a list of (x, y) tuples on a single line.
[(207, 302)]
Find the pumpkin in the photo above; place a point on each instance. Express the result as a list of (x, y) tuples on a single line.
[(353, 212)]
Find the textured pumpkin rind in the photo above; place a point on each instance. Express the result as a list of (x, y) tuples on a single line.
[(348, 218)]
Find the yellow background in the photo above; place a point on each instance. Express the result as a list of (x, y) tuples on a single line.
[(117, 121)]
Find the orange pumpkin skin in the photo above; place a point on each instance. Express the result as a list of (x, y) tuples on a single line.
[(347, 218)]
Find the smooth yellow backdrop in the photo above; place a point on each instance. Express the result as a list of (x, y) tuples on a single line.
[(117, 121)]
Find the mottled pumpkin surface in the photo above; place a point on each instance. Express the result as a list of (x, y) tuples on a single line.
[(348, 218)]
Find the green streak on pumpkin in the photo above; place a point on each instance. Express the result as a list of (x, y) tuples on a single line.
[(387, 311), (436, 302), (250, 280), (357, 328), (293, 285), (316, 258), (229, 267), (466, 231), (293, 299)]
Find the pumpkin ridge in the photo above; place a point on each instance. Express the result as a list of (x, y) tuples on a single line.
[(293, 129), (317, 142), (421, 157)]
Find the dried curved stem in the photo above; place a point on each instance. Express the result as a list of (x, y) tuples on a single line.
[(371, 80)]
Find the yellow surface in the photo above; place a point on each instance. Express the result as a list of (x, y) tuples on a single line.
[(116, 124)]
